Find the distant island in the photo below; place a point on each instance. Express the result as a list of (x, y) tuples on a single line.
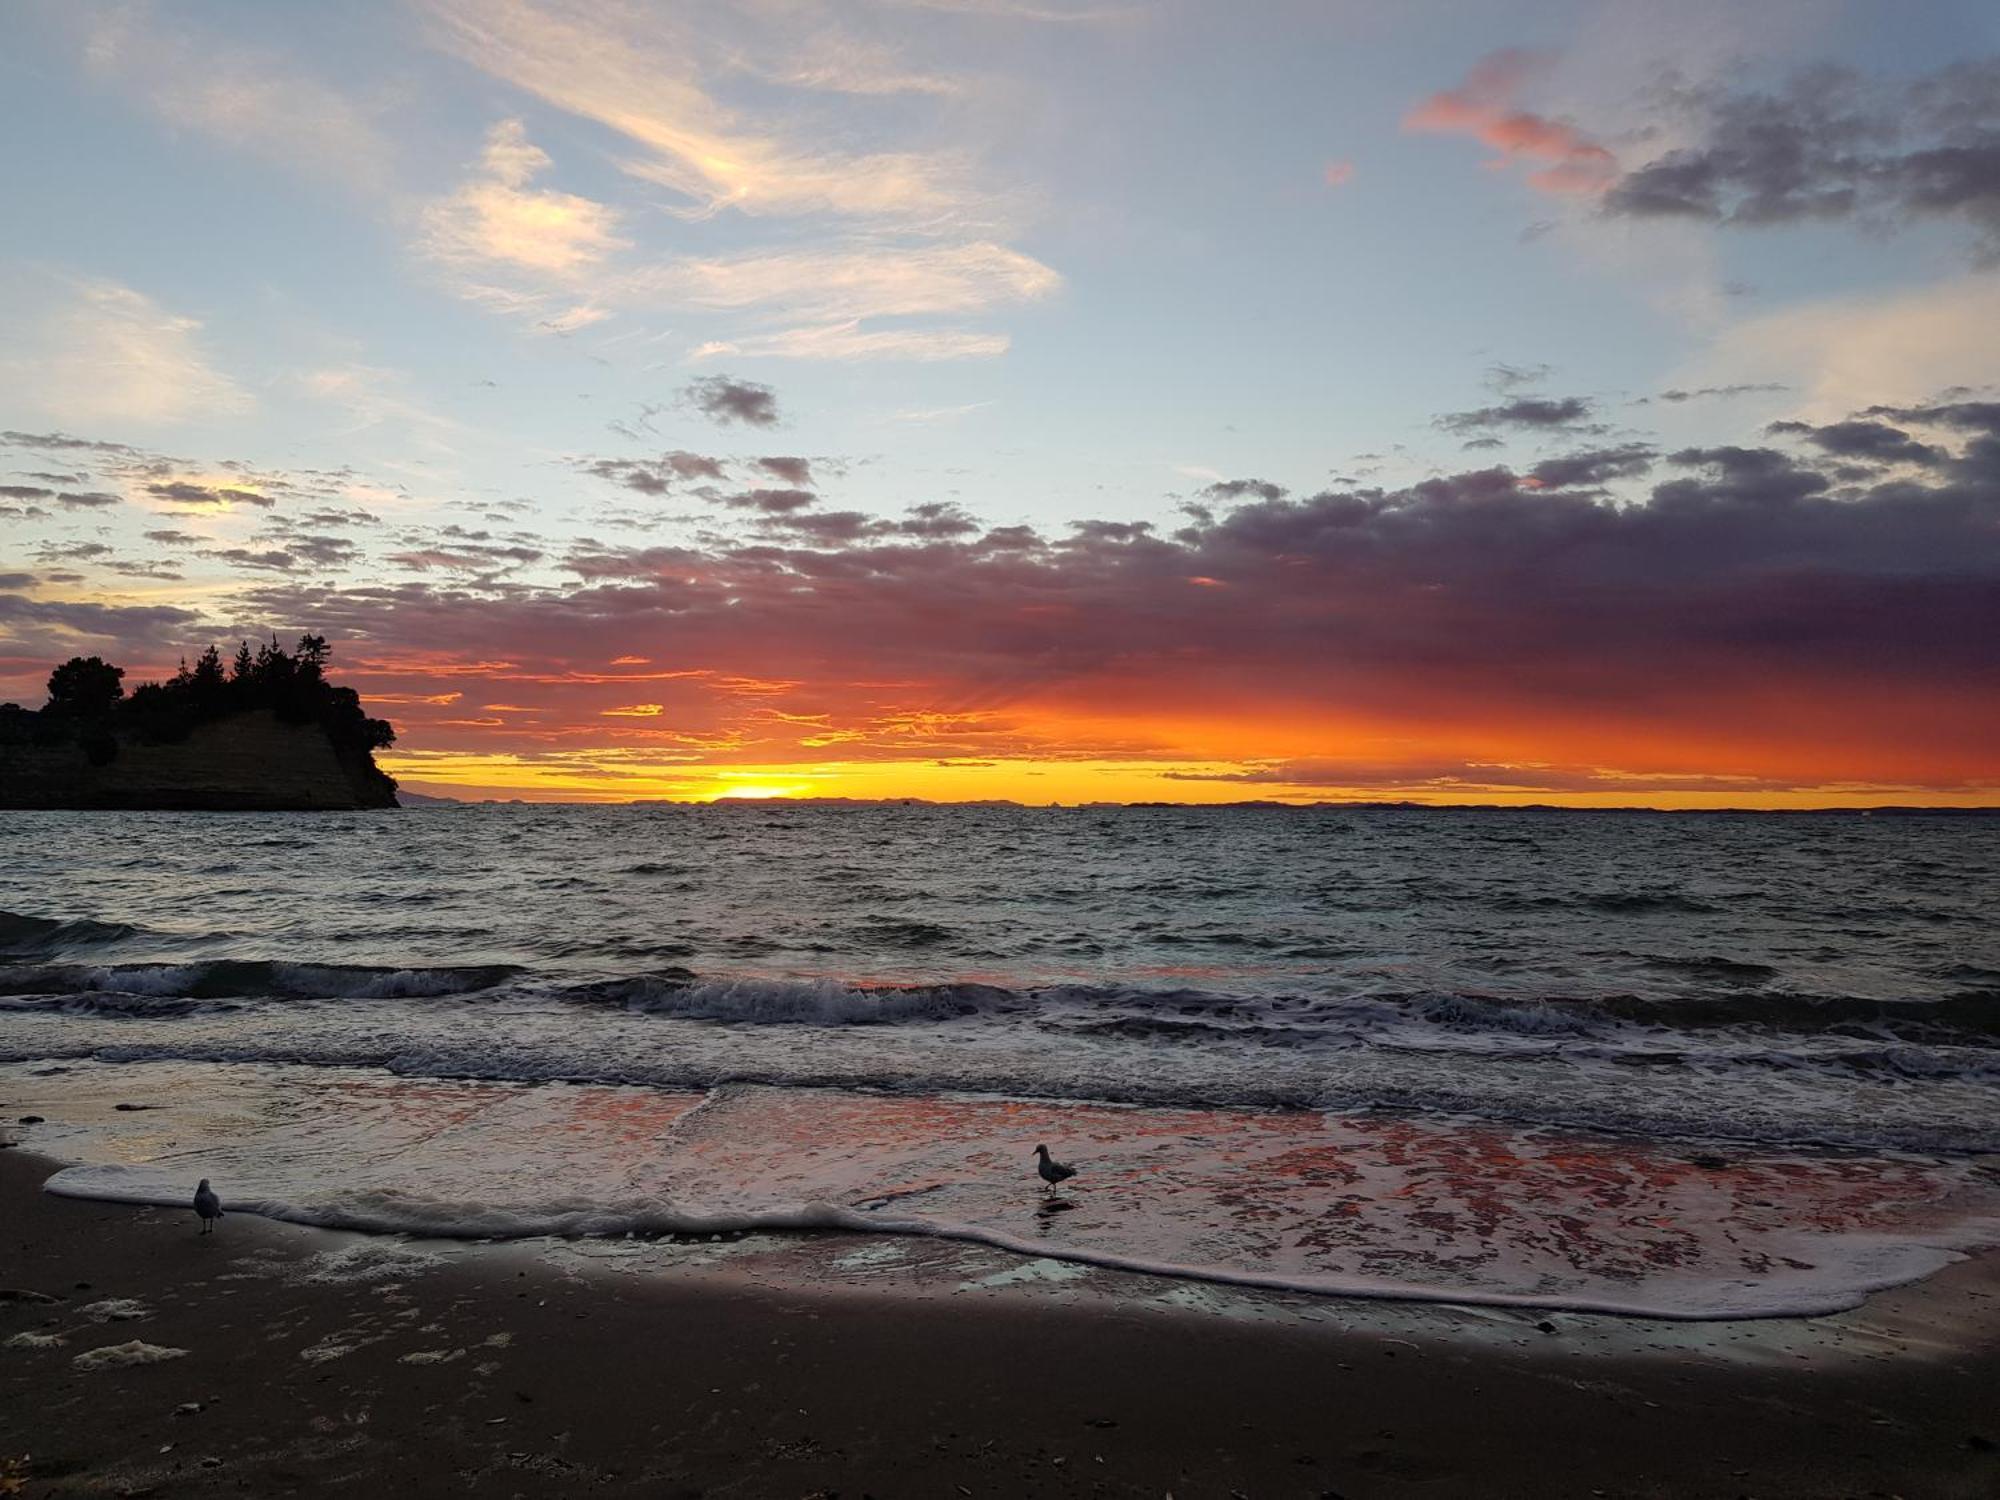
[(266, 733)]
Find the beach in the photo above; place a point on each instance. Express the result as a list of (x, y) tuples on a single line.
[(318, 1362), (693, 1152)]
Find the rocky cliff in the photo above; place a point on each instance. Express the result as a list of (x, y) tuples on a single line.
[(243, 762)]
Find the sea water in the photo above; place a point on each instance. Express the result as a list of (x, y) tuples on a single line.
[(1686, 1065)]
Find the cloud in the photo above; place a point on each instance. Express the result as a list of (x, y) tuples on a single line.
[(1544, 412), (1239, 489), (655, 476), (852, 282), (1484, 107), (1676, 397), (1751, 620), (773, 500), (1832, 145), (725, 401), (850, 341), (105, 353), (641, 75), (828, 294), (1338, 174), (1843, 353), (1868, 441), (498, 217), (1829, 146), (247, 98), (186, 492), (1591, 467), (796, 472)]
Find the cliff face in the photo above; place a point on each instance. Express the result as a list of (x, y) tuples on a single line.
[(247, 762)]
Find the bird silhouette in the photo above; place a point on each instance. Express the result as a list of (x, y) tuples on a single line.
[(207, 1205), (1052, 1170)]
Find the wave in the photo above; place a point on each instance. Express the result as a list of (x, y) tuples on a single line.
[(795, 1002), (112, 986), (1768, 1098), (378, 1211), (23, 934)]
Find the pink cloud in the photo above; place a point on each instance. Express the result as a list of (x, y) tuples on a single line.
[(1483, 107), (1339, 173)]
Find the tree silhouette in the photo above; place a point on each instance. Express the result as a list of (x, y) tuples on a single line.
[(84, 687)]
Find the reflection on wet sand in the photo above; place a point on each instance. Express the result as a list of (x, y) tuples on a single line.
[(1328, 1201)]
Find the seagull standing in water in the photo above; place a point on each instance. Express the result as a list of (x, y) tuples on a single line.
[(208, 1206), (1052, 1170)]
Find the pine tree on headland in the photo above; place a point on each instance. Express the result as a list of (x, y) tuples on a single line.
[(89, 690), (85, 687)]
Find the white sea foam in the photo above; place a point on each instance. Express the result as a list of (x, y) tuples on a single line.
[(119, 1356), (1362, 1207)]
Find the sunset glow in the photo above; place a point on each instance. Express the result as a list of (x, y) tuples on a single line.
[(747, 408)]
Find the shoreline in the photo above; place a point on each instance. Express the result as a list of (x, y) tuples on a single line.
[(315, 1359)]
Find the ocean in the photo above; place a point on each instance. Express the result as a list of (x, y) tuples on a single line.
[(1676, 1065)]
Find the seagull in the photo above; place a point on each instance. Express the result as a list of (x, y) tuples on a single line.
[(1052, 1170), (207, 1205)]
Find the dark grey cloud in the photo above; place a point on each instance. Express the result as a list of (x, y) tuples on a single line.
[(1241, 489), (186, 492), (275, 559), (56, 442), (1832, 145), (769, 500), (1534, 412), (1593, 466), (1875, 442), (725, 401), (86, 499), (1712, 392), (796, 472), (466, 557), (25, 492), (72, 551), (323, 551), (655, 476)]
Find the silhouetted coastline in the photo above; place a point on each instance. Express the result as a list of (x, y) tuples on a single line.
[(269, 733)]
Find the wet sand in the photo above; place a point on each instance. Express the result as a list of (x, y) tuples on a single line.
[(317, 1363)]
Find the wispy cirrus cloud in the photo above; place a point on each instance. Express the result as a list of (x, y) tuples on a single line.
[(247, 98), (100, 352), (876, 234), (640, 75)]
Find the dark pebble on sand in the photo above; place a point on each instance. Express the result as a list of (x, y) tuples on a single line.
[(29, 1120), (1710, 1163), (132, 1108), (1546, 1326)]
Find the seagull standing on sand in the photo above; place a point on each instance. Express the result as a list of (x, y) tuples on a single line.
[(207, 1205), (1052, 1170)]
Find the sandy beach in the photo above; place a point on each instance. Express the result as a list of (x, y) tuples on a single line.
[(314, 1363)]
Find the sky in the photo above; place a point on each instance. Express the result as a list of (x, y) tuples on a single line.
[(1051, 400)]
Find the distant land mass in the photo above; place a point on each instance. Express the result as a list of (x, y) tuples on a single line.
[(268, 733), (1261, 804)]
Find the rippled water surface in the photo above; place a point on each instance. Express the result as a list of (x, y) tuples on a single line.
[(1656, 985)]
